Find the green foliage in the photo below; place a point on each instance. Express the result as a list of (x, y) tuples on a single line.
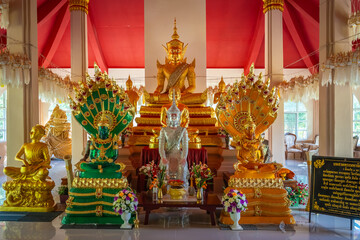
[(63, 190)]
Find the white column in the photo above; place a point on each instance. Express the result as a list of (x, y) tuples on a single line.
[(191, 26), (335, 102), (79, 65), (274, 70), (22, 103)]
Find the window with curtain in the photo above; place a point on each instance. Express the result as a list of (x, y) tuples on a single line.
[(295, 119), (356, 117), (3, 117)]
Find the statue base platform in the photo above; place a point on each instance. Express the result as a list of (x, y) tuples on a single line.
[(28, 196), (267, 201), (91, 201), (27, 209)]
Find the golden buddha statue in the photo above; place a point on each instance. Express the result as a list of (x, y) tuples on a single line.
[(199, 119), (221, 91), (30, 189), (177, 72), (57, 134), (132, 94)]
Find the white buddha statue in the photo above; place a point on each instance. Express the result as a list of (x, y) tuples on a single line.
[(173, 146)]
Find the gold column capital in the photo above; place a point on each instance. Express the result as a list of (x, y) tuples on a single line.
[(273, 5), (79, 5)]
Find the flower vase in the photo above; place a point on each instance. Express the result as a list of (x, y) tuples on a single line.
[(160, 193), (235, 217), (199, 194), (126, 217)]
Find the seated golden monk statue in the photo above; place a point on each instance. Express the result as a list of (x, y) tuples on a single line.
[(177, 72), (57, 134), (132, 94), (30, 189), (221, 91)]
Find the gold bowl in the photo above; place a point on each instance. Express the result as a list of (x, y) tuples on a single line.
[(177, 193)]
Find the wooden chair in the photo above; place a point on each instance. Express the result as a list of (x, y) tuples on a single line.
[(291, 146), (356, 152)]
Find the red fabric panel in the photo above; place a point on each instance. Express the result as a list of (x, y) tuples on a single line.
[(230, 27)]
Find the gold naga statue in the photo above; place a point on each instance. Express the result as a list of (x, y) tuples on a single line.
[(177, 73), (246, 111), (57, 134), (30, 189)]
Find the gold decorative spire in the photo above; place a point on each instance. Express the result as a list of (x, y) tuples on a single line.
[(175, 34), (175, 43)]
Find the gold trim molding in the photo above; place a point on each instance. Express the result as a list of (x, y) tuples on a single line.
[(256, 183), (79, 5), (193, 121), (99, 183), (273, 5)]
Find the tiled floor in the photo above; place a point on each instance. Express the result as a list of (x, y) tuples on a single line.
[(184, 224)]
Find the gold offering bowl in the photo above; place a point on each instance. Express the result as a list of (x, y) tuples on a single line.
[(177, 193)]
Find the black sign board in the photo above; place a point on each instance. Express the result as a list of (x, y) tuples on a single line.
[(335, 186)]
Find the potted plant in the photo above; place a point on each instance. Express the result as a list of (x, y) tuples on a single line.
[(298, 195), (234, 203), (201, 173), (125, 203), (64, 193)]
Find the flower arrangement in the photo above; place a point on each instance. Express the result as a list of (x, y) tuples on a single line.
[(125, 201), (222, 132), (154, 183), (127, 132), (149, 170), (234, 201), (161, 176), (63, 190), (176, 183), (201, 173), (298, 194)]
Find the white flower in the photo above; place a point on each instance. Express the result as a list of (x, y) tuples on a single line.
[(231, 200), (226, 204)]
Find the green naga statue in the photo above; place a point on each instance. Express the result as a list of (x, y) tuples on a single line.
[(104, 111)]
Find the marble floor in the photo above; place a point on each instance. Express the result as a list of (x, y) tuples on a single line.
[(184, 223)]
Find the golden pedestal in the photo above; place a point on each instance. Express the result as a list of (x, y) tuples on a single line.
[(267, 201), (28, 196)]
